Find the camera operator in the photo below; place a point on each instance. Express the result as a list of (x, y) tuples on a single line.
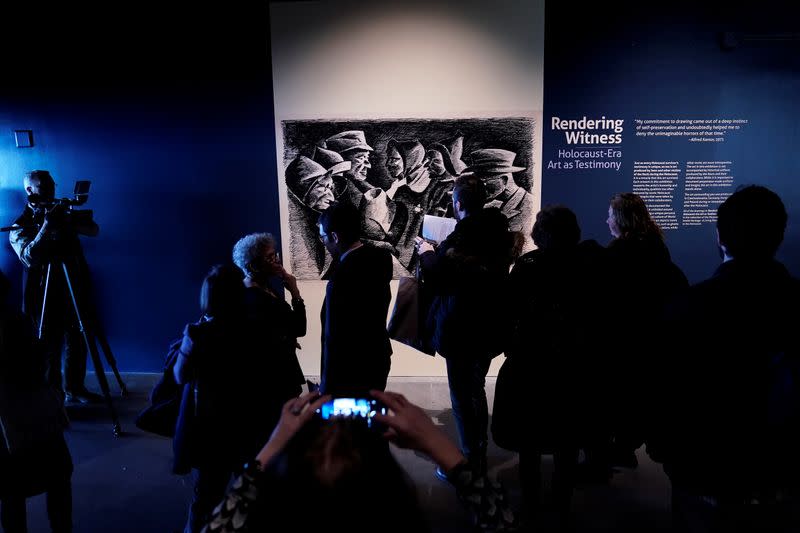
[(47, 234)]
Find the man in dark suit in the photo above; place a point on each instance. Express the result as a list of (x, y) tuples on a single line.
[(356, 352), (731, 399)]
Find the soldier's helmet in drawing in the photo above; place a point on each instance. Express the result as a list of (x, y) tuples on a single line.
[(303, 174), (492, 161), (347, 141)]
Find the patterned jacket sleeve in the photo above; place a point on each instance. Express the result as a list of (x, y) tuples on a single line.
[(29, 242), (486, 500), (235, 513)]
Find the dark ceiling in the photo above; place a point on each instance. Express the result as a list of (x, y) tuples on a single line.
[(134, 43)]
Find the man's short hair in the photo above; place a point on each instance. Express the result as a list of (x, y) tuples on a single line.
[(40, 176), (470, 192), (556, 227), (345, 220), (751, 222), (249, 248)]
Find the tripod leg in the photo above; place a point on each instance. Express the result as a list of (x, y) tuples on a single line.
[(101, 379), (44, 301), (101, 338), (91, 345)]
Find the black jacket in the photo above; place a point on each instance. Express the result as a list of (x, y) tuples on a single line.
[(240, 370), (468, 274), (731, 404), (356, 351), (550, 378), (33, 454)]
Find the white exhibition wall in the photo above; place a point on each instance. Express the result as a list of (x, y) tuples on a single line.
[(342, 60)]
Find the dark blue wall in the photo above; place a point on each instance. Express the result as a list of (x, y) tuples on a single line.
[(670, 61), (177, 136)]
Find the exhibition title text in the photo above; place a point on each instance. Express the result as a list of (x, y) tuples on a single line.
[(580, 131)]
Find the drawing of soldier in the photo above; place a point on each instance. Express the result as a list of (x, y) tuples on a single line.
[(310, 191), (495, 168), (352, 146)]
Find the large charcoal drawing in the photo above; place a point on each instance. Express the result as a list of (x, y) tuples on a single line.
[(396, 172)]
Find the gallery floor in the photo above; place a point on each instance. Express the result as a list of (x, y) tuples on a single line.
[(124, 484)]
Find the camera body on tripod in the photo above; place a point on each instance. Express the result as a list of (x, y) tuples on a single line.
[(59, 211)]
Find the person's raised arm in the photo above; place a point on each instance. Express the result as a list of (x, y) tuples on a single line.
[(294, 415), (299, 321), (31, 242), (410, 427)]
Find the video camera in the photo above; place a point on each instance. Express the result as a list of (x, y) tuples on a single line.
[(59, 210), (80, 196)]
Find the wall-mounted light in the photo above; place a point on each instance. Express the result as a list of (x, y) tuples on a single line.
[(23, 138)]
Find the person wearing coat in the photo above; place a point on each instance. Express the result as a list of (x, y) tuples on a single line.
[(34, 457), (645, 281), (729, 381), (467, 275), (239, 364), (545, 388)]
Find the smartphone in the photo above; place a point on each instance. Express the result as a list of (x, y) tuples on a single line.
[(355, 408)]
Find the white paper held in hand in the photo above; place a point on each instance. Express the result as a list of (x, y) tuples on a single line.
[(436, 229)]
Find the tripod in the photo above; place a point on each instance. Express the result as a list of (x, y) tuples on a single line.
[(90, 338)]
